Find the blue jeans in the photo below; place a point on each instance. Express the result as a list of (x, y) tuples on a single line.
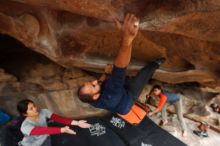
[(179, 111)]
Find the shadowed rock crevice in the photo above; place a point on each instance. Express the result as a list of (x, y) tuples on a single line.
[(15, 57), (28, 74)]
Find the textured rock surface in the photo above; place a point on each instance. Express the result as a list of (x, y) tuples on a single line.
[(49, 86), (28, 74), (80, 33)]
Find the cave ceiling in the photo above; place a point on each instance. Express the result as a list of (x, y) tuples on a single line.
[(81, 33)]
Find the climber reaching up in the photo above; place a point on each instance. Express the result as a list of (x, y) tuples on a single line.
[(113, 90)]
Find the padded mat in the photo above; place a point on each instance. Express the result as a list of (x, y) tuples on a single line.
[(106, 131)]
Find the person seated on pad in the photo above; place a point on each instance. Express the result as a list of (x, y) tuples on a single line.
[(167, 98), (115, 92)]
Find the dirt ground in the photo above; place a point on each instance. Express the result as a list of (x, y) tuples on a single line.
[(173, 127)]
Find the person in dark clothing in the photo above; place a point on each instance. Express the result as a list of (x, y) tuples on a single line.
[(167, 98), (116, 92)]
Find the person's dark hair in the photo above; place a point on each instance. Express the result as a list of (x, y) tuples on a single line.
[(84, 96), (22, 106), (157, 87)]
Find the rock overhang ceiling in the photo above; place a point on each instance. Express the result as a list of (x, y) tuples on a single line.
[(81, 33)]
